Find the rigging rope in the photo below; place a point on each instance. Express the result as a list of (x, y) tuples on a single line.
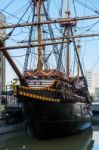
[(29, 41), (61, 8), (74, 8), (10, 33), (12, 15), (94, 5), (88, 7), (16, 12), (10, 3), (59, 64), (55, 47)]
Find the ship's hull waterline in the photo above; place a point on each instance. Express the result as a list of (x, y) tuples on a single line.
[(54, 109), (52, 119)]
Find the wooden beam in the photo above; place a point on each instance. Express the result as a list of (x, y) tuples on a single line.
[(49, 22), (11, 62)]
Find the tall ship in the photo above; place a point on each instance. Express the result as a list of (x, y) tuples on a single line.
[(55, 101)]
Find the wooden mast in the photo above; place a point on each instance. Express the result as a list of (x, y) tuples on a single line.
[(68, 33), (11, 62), (39, 65), (78, 68)]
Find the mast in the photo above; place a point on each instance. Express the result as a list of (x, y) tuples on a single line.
[(68, 33), (11, 62), (78, 68), (39, 65)]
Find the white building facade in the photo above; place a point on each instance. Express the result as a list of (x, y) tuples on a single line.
[(93, 83)]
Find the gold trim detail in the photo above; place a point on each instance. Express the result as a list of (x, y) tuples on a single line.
[(39, 97), (36, 89)]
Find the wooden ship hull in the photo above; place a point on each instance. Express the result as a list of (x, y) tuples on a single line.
[(51, 119), (52, 109)]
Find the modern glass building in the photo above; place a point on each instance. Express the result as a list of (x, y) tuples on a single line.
[(93, 83)]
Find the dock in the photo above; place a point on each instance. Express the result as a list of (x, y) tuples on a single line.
[(11, 115)]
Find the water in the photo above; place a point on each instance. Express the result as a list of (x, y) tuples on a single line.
[(87, 140)]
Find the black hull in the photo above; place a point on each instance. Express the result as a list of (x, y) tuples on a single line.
[(55, 111), (50, 119)]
